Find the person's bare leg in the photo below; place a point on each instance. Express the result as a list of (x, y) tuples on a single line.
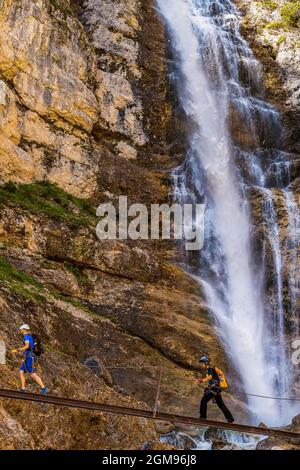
[(22, 380), (38, 380)]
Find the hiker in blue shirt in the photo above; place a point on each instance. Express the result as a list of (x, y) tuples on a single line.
[(29, 361)]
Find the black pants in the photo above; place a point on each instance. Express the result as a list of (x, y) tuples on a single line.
[(208, 395)]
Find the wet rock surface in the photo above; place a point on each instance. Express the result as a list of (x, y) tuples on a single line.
[(277, 31), (273, 32), (272, 443), (85, 104)]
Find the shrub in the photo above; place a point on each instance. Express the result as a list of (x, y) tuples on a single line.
[(269, 4), (290, 13)]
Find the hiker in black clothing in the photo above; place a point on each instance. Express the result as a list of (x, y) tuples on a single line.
[(213, 391)]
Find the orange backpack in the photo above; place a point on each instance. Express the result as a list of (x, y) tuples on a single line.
[(222, 379)]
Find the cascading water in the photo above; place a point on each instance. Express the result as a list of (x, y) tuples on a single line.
[(226, 440), (294, 241), (219, 84), (278, 331)]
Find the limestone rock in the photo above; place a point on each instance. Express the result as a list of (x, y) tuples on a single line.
[(120, 110), (84, 103), (28, 60), (265, 26), (126, 151)]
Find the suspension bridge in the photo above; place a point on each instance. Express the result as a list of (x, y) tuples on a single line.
[(148, 414)]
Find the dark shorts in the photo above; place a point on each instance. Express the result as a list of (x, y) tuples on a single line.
[(28, 365)]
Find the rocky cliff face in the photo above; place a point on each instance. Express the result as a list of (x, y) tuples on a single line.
[(84, 111), (78, 80), (273, 28), (86, 116)]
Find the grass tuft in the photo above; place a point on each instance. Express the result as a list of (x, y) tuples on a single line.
[(269, 4), (19, 281), (290, 13), (281, 40)]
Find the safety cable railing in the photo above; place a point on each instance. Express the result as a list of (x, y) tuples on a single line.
[(159, 378)]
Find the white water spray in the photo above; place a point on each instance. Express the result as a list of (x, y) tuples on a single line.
[(294, 240), (211, 58)]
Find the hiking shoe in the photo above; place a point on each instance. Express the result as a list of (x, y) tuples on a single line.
[(44, 391)]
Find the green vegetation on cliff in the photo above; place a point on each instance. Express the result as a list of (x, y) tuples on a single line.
[(290, 13), (281, 40), (7, 271), (269, 4), (62, 6), (77, 272), (48, 198), (19, 281)]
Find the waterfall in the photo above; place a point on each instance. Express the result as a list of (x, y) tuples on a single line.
[(278, 330), (294, 247), (218, 82)]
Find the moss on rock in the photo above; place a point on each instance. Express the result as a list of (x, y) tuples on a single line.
[(290, 13), (48, 198)]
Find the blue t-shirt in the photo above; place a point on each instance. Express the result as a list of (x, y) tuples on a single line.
[(29, 338)]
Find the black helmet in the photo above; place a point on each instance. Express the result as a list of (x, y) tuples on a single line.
[(204, 359)]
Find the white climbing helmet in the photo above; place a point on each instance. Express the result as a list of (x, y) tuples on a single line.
[(24, 326)]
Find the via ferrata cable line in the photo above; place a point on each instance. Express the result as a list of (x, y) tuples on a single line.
[(227, 392)]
